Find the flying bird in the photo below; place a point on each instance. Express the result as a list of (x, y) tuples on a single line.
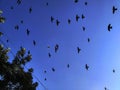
[(114, 9), (51, 18), (76, 1), (56, 48), (105, 88), (21, 21), (109, 27), (113, 70), (49, 55), (47, 4), (69, 21), (19, 2), (86, 66), (11, 7), (88, 39), (30, 9), (83, 28), (16, 27), (57, 22), (45, 79), (77, 17), (86, 3), (28, 32), (53, 69), (68, 65), (83, 16), (34, 42), (78, 49)]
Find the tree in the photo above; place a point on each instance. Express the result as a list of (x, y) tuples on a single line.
[(12, 74)]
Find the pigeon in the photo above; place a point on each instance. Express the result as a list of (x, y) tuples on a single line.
[(49, 55), (30, 9), (28, 51), (34, 42), (16, 27), (45, 71), (48, 46), (69, 21), (114, 9), (51, 18), (77, 17), (7, 40), (45, 79), (78, 49), (53, 69), (105, 88), (28, 32), (83, 16), (76, 1), (57, 22), (109, 27), (56, 48), (86, 66)]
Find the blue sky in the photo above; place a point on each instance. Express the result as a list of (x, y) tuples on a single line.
[(101, 53)]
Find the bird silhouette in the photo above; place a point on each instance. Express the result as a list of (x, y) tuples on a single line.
[(19, 2), (114, 9), (49, 55), (46, 3), (48, 46), (21, 21), (45, 71), (51, 18), (53, 69), (78, 49), (83, 28), (83, 16), (105, 88), (77, 17), (57, 22), (11, 7), (56, 48), (109, 27), (28, 32), (88, 39), (45, 79), (28, 51), (16, 27), (86, 3), (76, 1), (30, 9), (68, 65), (34, 42), (7, 40), (113, 70), (86, 66), (69, 21)]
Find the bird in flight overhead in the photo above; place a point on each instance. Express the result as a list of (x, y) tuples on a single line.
[(28, 51), (45, 71), (86, 3), (46, 3), (56, 48), (45, 79), (77, 17), (57, 22), (34, 42), (109, 27), (51, 18), (19, 2), (28, 32), (16, 27), (53, 69), (86, 66), (83, 28), (78, 49), (21, 21), (11, 7), (76, 1), (83, 16), (88, 39), (105, 88), (114, 9), (30, 9), (113, 70), (69, 21), (49, 55), (68, 65)]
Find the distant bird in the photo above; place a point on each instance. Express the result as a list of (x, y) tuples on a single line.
[(19, 2), (76, 1), (28, 51), (88, 39), (30, 9), (49, 55), (86, 3), (28, 32), (53, 69), (68, 65), (11, 7), (45, 79), (83, 16), (78, 49), (109, 27), (69, 21), (21, 21), (56, 48), (1, 34), (45, 71), (105, 88), (47, 4), (114, 9), (34, 42), (51, 18), (57, 22), (48, 46), (113, 70), (7, 40), (16, 27), (86, 66), (77, 17), (83, 28)]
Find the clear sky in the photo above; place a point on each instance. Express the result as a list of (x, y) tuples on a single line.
[(101, 54)]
